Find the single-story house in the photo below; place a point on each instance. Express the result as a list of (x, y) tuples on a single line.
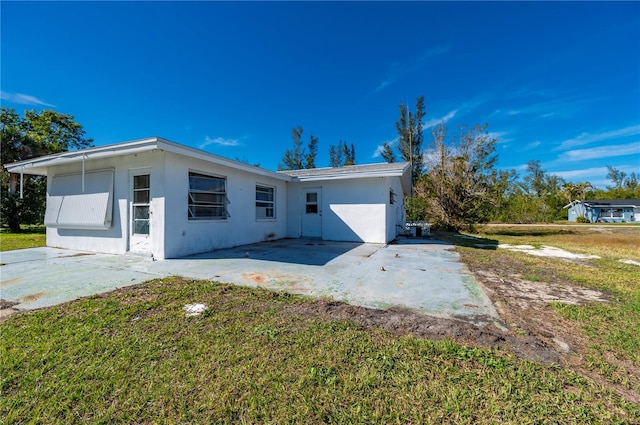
[(159, 198), (608, 210)]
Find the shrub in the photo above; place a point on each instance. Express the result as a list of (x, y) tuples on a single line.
[(583, 220)]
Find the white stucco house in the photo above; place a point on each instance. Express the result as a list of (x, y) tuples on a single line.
[(162, 199)]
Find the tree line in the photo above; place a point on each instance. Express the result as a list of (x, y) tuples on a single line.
[(455, 180), (300, 157), (32, 135)]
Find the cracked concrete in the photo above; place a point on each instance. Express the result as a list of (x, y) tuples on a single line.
[(423, 275)]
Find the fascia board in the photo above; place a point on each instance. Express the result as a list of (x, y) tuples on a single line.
[(405, 177), (39, 165), (189, 152), (347, 176)]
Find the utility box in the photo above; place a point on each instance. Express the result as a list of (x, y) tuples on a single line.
[(418, 229)]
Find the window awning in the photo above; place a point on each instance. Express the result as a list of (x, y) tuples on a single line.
[(71, 207)]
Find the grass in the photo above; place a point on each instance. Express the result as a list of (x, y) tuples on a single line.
[(29, 237), (255, 357), (611, 329), (132, 356)]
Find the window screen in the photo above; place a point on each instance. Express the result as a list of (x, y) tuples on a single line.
[(265, 202), (207, 197)]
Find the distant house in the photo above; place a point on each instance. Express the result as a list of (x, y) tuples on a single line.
[(606, 211), (162, 199)]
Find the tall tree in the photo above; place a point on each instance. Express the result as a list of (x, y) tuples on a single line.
[(616, 176), (387, 153), (35, 134), (576, 193), (336, 156), (460, 183), (624, 186), (538, 197), (310, 157), (409, 128), (535, 180), (342, 155), (298, 157), (349, 154)]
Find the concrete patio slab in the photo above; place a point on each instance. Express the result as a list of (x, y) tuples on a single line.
[(419, 274)]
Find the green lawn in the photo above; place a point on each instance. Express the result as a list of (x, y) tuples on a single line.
[(256, 356), (611, 331), (31, 237)]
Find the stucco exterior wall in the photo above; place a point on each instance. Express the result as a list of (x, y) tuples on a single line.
[(352, 209), (115, 239), (171, 232), (185, 237), (355, 210), (396, 215), (595, 214)]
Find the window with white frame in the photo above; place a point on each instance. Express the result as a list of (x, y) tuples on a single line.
[(207, 197), (611, 212), (141, 204), (265, 202)]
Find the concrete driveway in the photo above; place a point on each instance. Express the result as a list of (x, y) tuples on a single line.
[(419, 274)]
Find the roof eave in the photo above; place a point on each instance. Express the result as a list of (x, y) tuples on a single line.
[(39, 166), (403, 173)]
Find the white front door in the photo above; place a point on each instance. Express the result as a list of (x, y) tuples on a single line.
[(312, 213), (140, 212)]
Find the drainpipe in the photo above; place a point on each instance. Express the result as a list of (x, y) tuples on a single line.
[(21, 182), (13, 183), (83, 156)]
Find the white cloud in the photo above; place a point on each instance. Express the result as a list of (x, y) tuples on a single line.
[(581, 174), (587, 138), (596, 176), (600, 152), (435, 52), (399, 71), (532, 145), (384, 84), (23, 99), (220, 141), (437, 121), (546, 109), (380, 148), (500, 136)]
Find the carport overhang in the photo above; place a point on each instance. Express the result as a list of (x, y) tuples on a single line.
[(40, 166), (399, 169)]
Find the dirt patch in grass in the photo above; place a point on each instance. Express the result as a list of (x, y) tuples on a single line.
[(407, 322), (527, 299), (6, 308)]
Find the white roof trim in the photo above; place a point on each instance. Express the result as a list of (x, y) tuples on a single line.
[(594, 203), (39, 165), (399, 169)]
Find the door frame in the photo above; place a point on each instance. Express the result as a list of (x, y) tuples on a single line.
[(317, 216), (138, 243)]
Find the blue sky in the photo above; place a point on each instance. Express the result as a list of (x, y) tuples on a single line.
[(556, 82)]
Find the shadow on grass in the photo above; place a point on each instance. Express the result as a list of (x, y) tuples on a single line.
[(528, 232), (460, 239), (30, 229)]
